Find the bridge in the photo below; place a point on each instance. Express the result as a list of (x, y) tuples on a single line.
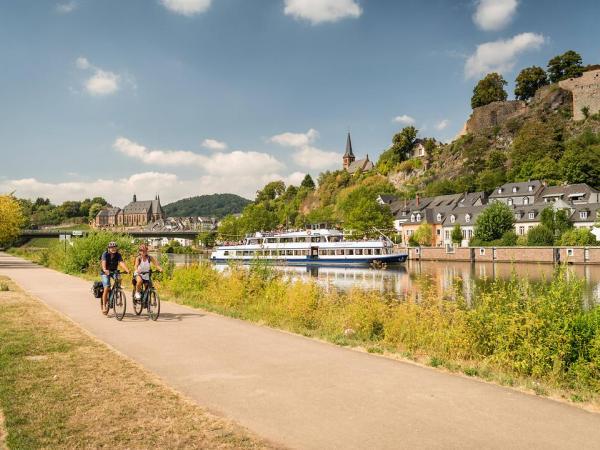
[(184, 234)]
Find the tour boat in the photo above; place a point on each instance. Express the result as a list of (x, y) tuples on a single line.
[(310, 247)]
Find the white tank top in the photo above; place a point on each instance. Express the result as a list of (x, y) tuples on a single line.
[(144, 266)]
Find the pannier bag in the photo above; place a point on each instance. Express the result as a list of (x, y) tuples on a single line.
[(97, 289)]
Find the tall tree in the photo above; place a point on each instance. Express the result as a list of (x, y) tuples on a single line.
[(456, 234), (308, 182), (581, 160), (529, 81), (11, 219), (402, 144), (567, 65), (489, 89), (493, 222)]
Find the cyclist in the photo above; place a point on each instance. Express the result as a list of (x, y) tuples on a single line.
[(111, 260), (141, 268)]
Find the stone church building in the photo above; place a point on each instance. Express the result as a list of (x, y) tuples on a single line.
[(135, 214), (351, 164)]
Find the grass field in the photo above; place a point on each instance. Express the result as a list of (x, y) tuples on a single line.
[(60, 388)]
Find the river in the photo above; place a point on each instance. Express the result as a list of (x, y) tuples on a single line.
[(407, 280)]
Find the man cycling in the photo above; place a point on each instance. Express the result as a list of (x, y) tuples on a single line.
[(141, 268), (111, 261)]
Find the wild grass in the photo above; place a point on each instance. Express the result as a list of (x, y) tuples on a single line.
[(513, 331), (59, 388)]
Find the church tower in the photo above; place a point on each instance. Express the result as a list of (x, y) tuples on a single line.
[(349, 155)]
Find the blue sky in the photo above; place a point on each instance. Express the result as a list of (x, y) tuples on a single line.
[(186, 97)]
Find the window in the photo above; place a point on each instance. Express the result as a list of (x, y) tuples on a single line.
[(526, 200), (530, 188), (482, 251), (418, 217), (570, 252), (452, 218), (359, 251), (350, 251), (517, 215), (531, 215), (439, 217), (289, 252), (521, 231), (368, 251), (377, 251), (464, 233), (500, 190), (447, 234), (510, 202), (515, 189), (226, 253), (467, 218), (438, 232), (470, 233), (583, 214), (412, 217), (339, 252)]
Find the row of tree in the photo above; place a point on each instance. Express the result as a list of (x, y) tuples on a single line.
[(43, 212), (561, 67)]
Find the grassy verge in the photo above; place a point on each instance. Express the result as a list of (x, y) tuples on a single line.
[(537, 337), (59, 388)]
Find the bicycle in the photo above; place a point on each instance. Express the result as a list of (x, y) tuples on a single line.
[(150, 299), (116, 298)]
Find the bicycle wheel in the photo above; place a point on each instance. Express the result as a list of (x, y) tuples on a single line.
[(120, 304), (153, 304), (138, 305)]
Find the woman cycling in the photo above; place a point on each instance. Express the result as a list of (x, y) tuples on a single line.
[(141, 269)]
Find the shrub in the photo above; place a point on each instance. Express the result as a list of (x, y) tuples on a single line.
[(578, 236), (84, 253), (540, 235), (509, 239), (493, 222)]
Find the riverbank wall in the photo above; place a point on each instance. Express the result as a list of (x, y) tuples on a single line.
[(548, 255)]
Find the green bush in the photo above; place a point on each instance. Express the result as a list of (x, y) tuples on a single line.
[(84, 253), (540, 235), (509, 239), (578, 236)]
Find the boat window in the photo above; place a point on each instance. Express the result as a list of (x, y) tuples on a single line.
[(301, 239), (377, 251), (246, 253), (359, 251), (368, 251), (334, 239), (315, 239), (339, 252), (226, 252), (281, 252), (289, 252), (350, 251), (322, 252), (253, 241), (271, 240), (296, 252)]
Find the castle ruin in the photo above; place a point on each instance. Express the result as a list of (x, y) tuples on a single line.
[(586, 93)]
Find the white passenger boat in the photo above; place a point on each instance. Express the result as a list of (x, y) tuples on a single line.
[(321, 247)]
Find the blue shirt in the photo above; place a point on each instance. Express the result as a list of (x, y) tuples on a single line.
[(112, 260)]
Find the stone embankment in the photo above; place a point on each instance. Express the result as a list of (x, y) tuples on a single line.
[(550, 255)]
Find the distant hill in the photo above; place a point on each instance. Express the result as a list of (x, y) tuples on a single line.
[(214, 205)]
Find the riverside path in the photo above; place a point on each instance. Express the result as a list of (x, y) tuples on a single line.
[(306, 394)]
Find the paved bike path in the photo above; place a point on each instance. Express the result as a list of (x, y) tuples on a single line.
[(307, 394)]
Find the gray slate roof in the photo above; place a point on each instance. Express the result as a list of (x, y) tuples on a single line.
[(567, 192), (349, 147), (592, 210), (522, 188), (363, 165)]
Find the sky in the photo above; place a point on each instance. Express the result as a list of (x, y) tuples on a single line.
[(188, 97)]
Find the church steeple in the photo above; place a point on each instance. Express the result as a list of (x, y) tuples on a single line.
[(349, 155)]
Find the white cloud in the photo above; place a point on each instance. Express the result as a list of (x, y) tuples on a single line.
[(442, 124), (500, 56), (117, 191), (304, 154), (66, 7), (404, 119), (232, 164), (319, 11), (101, 82), (295, 139), (186, 7), (316, 159), (213, 144), (493, 15)]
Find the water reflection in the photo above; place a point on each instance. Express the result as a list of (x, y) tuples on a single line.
[(410, 279)]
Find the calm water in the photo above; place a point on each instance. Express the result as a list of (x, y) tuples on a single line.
[(407, 280)]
